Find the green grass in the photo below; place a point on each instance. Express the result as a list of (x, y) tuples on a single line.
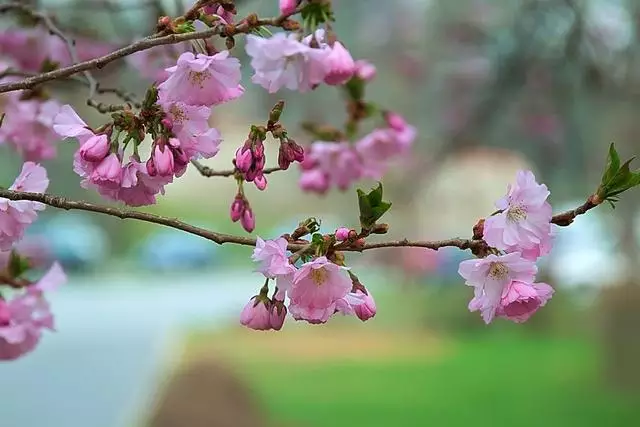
[(496, 382)]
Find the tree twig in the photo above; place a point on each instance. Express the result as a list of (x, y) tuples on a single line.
[(208, 172), (221, 238)]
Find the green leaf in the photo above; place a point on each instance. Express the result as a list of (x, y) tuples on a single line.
[(317, 239), (17, 265), (372, 207), (314, 14), (613, 164)]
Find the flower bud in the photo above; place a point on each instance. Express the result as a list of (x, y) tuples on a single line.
[(277, 314), (168, 124), (151, 167), (261, 182), (248, 221), (256, 314), (163, 160), (288, 7), (95, 148), (341, 65), (237, 209), (342, 234), (244, 159), (395, 121), (365, 70), (359, 243), (367, 309)]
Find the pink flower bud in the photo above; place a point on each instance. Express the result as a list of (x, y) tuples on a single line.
[(287, 7), (163, 160), (261, 182), (95, 148), (341, 65), (367, 309), (395, 121), (342, 233), (298, 152), (277, 314), (244, 159), (359, 243), (108, 173), (255, 314), (365, 70), (151, 167), (168, 124), (5, 313), (248, 221), (237, 209), (314, 180)]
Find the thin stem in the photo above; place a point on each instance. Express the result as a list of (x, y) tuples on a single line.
[(208, 172)]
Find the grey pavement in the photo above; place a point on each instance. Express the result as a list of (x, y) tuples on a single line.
[(105, 362)]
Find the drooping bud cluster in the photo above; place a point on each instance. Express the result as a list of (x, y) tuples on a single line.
[(241, 211)]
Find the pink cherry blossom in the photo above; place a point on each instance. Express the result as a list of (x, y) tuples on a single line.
[(367, 309), (108, 173), (137, 187), (202, 80), (335, 161), (283, 61), (28, 127), (272, 256), (314, 180), (256, 314), (491, 275), (382, 145), (187, 120), (16, 216), (520, 300), (23, 318), (525, 220), (341, 65), (316, 287), (68, 124), (153, 63)]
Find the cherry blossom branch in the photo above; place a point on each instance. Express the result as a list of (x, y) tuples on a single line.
[(246, 26), (208, 172), (475, 245), (53, 29)]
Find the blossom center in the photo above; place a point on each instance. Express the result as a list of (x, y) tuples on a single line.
[(199, 77), (498, 270), (178, 114), (516, 213), (319, 276)]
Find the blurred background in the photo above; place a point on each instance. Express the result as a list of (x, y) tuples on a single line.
[(148, 331)]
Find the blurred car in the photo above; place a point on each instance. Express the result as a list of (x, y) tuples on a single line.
[(176, 250), (74, 239)]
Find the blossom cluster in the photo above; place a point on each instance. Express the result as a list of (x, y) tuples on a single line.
[(316, 289), (520, 232), (26, 313)]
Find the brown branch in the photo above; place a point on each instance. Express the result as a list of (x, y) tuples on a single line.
[(53, 29), (566, 218), (245, 27), (476, 245), (208, 172)]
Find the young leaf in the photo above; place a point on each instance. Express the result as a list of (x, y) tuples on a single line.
[(613, 164), (372, 207)]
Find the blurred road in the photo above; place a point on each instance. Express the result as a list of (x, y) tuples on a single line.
[(104, 363)]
